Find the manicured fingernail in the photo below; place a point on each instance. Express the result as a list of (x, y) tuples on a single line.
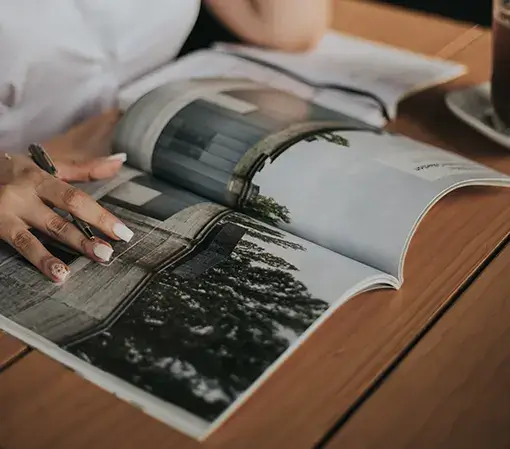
[(122, 157), (102, 251), (123, 232), (59, 271)]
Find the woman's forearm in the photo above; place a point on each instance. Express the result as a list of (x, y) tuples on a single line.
[(291, 25)]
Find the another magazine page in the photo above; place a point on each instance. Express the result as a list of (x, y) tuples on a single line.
[(362, 193), (332, 75)]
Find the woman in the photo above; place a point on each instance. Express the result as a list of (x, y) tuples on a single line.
[(63, 61)]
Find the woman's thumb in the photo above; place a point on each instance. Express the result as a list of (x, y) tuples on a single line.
[(100, 168)]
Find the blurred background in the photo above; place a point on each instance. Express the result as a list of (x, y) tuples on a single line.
[(476, 11)]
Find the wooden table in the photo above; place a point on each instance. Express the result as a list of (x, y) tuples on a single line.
[(332, 391), (453, 390)]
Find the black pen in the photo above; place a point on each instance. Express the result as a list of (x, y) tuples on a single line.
[(44, 162)]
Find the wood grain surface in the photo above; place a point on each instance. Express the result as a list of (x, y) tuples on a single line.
[(10, 349), (321, 381), (453, 390)]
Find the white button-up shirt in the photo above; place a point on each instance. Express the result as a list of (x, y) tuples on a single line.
[(64, 60)]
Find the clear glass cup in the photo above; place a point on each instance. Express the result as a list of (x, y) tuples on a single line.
[(500, 82)]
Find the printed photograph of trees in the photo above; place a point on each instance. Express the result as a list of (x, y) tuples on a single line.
[(201, 341)]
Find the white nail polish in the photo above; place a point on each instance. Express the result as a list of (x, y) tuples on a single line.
[(123, 232), (122, 157), (59, 271), (104, 252)]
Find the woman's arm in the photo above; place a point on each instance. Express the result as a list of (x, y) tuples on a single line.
[(290, 25)]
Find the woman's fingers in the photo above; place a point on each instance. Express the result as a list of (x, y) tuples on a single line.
[(101, 168), (66, 232), (16, 233), (23, 191), (78, 203)]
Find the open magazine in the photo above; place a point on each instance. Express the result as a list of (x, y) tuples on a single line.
[(256, 213)]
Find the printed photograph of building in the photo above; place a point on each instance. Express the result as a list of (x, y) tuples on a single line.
[(167, 222), (212, 136)]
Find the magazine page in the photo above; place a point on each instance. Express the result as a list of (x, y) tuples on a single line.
[(347, 186), (390, 73), (211, 135), (186, 324), (328, 75), (362, 193)]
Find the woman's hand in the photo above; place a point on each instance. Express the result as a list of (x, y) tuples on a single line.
[(27, 194), (289, 25)]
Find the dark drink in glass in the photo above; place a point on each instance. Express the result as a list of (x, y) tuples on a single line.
[(500, 85)]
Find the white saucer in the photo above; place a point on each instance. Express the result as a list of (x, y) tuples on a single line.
[(473, 106)]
